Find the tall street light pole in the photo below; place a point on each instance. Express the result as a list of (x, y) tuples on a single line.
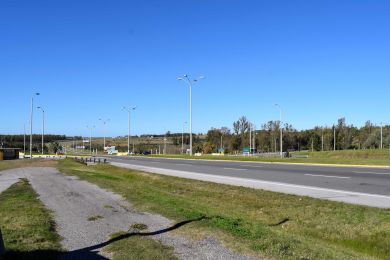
[(182, 138), (129, 109), (334, 138), (381, 135), (43, 124), (90, 138), (281, 130), (190, 83), (105, 121), (24, 141), (31, 120)]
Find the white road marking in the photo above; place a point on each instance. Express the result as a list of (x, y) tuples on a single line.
[(185, 164), (253, 166), (236, 169), (327, 176), (374, 172), (368, 199)]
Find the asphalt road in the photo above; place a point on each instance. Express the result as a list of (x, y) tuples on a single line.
[(354, 179)]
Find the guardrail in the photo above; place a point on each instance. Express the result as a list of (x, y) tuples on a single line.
[(90, 160)]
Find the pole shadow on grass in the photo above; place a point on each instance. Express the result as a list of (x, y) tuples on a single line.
[(88, 252)]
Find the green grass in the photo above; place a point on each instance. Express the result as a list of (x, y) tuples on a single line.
[(247, 219), (348, 157), (139, 247), (28, 228)]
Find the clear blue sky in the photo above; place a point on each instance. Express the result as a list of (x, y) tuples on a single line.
[(320, 60)]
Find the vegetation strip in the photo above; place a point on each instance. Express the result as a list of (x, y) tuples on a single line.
[(350, 158), (28, 228), (259, 222)]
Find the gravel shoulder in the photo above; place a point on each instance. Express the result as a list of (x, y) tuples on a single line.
[(87, 215)]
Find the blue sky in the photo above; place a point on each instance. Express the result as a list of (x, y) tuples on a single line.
[(321, 60)]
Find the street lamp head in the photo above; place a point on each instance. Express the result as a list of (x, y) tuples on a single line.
[(37, 93), (179, 78), (133, 108)]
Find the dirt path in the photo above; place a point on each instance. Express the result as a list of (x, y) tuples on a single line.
[(87, 215)]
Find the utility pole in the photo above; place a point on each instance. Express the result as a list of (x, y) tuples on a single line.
[(322, 140), (190, 82), (43, 125), (128, 134), (31, 121)]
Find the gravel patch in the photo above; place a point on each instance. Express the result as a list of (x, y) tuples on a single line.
[(75, 202)]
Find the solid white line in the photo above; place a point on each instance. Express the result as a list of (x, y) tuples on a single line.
[(186, 164), (253, 166), (381, 173), (166, 171), (236, 169), (327, 176)]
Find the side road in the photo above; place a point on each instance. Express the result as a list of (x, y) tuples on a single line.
[(87, 215)]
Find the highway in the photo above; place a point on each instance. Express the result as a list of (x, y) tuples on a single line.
[(347, 180)]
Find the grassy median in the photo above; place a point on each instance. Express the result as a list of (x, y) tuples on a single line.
[(253, 221), (28, 228), (347, 157)]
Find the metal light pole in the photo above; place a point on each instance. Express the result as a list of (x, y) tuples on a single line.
[(31, 120), (43, 125), (281, 130), (190, 82), (182, 138), (104, 130), (90, 138), (24, 141), (250, 139), (334, 138), (381, 135), (128, 134)]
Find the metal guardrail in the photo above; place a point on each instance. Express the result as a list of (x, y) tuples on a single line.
[(91, 160)]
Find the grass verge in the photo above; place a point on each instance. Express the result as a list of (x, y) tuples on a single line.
[(27, 226), (255, 221), (348, 157), (138, 247)]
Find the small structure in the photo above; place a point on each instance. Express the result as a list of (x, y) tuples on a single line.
[(9, 153)]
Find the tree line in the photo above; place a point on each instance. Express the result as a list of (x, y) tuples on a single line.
[(341, 136)]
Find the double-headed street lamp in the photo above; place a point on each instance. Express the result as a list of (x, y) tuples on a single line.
[(104, 121), (281, 130), (31, 121), (190, 83), (129, 109), (43, 124)]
